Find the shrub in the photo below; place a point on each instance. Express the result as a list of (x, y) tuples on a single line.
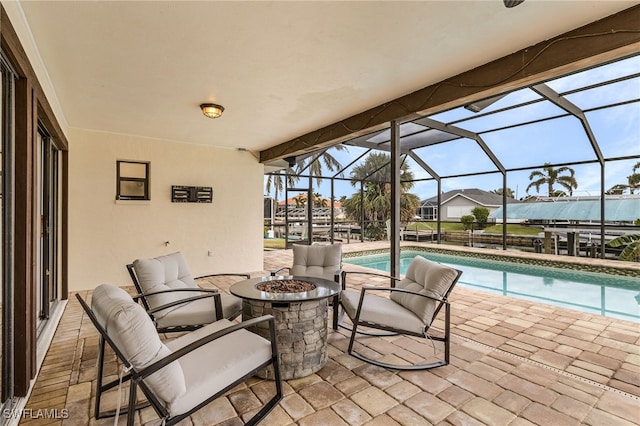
[(467, 221), (481, 214)]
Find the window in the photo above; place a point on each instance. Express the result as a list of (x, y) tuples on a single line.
[(132, 180)]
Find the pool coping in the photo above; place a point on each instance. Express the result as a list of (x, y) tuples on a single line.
[(625, 269)]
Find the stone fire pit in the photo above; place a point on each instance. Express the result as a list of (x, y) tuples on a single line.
[(299, 306), (286, 286)]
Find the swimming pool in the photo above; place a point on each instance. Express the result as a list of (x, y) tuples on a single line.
[(602, 294)]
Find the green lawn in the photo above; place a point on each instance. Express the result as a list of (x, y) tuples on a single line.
[(493, 229), (274, 243)]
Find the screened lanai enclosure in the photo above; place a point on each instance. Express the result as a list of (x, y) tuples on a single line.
[(568, 140)]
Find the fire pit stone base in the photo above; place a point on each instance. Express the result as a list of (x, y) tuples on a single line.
[(302, 334)]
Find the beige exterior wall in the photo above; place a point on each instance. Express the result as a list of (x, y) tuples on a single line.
[(105, 235)]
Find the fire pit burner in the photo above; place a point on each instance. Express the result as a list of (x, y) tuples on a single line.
[(286, 286)]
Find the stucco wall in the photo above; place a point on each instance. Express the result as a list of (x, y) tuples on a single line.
[(104, 235), (457, 207)]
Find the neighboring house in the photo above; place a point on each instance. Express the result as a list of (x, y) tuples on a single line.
[(460, 202)]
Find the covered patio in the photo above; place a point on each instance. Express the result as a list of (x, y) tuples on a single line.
[(513, 362)]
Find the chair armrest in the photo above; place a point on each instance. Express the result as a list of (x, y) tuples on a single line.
[(274, 273), (344, 276), (337, 277), (246, 276), (210, 292), (152, 368), (402, 290), (173, 290)]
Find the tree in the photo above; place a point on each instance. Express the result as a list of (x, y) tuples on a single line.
[(313, 164), (276, 180), (508, 191), (633, 182), (481, 214), (301, 201), (617, 189), (632, 243), (467, 221), (634, 178), (550, 176), (319, 201), (375, 171)]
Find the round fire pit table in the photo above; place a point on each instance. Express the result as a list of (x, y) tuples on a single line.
[(299, 306)]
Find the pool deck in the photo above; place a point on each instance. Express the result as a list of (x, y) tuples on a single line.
[(513, 362)]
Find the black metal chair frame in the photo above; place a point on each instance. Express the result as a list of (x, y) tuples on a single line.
[(445, 338), (210, 292), (136, 377)]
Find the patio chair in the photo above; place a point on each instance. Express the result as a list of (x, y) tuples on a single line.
[(184, 375), (169, 293), (318, 260), (412, 306)]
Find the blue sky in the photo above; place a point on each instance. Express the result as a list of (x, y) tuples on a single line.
[(561, 140)]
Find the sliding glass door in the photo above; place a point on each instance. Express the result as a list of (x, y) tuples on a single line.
[(6, 229), (48, 207)]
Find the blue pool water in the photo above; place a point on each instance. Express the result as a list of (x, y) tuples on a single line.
[(602, 294)]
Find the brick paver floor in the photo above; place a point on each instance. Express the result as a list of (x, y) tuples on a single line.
[(513, 362)]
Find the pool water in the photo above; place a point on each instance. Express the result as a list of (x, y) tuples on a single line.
[(601, 294)]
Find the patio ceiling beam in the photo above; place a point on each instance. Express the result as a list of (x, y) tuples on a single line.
[(465, 134), (604, 40), (547, 92), (425, 166)]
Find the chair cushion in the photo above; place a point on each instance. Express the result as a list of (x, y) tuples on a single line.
[(224, 360), (380, 310), (164, 273), (134, 334), (428, 278), (317, 260), (200, 312)]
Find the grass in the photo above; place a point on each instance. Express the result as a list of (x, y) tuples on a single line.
[(274, 243), (512, 229)]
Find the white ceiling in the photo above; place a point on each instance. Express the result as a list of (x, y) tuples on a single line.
[(281, 69)]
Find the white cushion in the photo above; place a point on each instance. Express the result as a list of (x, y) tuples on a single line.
[(380, 310), (212, 367), (165, 273), (321, 261), (134, 334), (428, 278), (200, 312)]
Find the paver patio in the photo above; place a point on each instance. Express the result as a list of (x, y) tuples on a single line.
[(513, 362)]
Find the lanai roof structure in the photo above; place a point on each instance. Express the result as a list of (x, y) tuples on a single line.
[(587, 120)]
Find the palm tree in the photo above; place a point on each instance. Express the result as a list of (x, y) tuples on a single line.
[(276, 180), (617, 189), (313, 164), (319, 200), (550, 176), (633, 182), (500, 191), (375, 171), (301, 201), (634, 178)]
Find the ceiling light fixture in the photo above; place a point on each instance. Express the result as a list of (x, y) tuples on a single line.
[(511, 3), (212, 110)]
